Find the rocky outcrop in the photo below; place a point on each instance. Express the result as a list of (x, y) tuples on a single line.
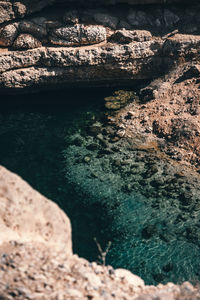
[(94, 46), (27, 216), (36, 261), (10, 10)]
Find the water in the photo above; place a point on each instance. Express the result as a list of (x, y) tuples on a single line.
[(110, 190)]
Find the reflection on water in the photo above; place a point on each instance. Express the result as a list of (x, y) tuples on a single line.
[(60, 144)]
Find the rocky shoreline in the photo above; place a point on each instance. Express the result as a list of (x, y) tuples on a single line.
[(141, 156)]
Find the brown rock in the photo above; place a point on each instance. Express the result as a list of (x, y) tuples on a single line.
[(8, 34), (26, 41), (78, 35), (27, 216), (6, 11)]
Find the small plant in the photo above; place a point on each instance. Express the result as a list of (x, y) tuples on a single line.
[(102, 254)]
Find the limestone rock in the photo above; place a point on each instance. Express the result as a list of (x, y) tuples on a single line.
[(78, 35), (129, 277), (8, 34), (27, 216), (26, 41), (128, 36), (182, 45)]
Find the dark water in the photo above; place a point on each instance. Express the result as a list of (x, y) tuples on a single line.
[(113, 196)]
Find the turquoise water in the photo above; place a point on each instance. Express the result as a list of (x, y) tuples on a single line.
[(60, 143)]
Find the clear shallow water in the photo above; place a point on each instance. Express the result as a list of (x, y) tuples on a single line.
[(46, 141)]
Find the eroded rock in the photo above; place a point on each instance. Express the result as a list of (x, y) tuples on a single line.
[(27, 216), (26, 41), (128, 36), (78, 35), (8, 34)]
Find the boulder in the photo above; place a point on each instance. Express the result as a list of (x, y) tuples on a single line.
[(27, 216), (78, 35), (129, 277), (26, 41), (6, 11), (35, 27), (8, 34)]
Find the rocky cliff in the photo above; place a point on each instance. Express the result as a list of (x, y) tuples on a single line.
[(113, 45)]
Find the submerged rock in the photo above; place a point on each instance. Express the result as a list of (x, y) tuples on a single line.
[(119, 99)]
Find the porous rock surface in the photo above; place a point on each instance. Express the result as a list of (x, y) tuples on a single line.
[(27, 216), (94, 46), (36, 261)]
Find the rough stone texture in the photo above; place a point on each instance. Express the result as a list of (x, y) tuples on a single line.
[(8, 34), (6, 11), (95, 64), (128, 36), (26, 41), (78, 35), (27, 216), (10, 10)]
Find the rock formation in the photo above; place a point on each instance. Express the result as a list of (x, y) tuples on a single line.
[(93, 46), (36, 260)]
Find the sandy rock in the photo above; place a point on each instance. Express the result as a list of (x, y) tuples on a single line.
[(27, 216), (182, 44), (26, 41), (128, 36), (129, 277), (78, 35), (8, 34), (6, 11)]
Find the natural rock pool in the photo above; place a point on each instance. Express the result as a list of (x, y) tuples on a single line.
[(146, 205)]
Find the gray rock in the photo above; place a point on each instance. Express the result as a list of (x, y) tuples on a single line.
[(78, 35), (106, 20), (32, 28), (8, 34), (170, 18), (26, 41), (137, 18)]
